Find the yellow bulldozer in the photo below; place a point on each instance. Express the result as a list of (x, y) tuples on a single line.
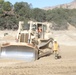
[(33, 41)]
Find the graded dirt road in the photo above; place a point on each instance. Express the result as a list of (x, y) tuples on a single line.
[(46, 65)]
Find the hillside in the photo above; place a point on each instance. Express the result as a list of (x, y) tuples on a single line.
[(71, 5), (10, 15)]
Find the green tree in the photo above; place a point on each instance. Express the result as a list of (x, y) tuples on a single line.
[(7, 6), (39, 14), (1, 3), (22, 9)]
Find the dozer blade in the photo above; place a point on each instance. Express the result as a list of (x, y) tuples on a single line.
[(19, 52)]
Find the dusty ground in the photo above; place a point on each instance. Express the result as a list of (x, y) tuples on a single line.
[(45, 65)]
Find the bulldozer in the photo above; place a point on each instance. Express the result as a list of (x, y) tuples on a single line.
[(33, 41)]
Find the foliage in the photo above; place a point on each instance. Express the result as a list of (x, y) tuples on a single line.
[(39, 15), (7, 6), (22, 9), (10, 15), (1, 2)]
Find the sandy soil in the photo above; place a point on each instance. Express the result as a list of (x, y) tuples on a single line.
[(46, 65)]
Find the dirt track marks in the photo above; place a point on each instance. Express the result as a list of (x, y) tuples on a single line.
[(54, 67)]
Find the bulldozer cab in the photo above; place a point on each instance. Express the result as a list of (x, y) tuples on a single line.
[(32, 30), (38, 29)]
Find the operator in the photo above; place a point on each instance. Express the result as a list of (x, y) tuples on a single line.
[(56, 48), (40, 31)]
